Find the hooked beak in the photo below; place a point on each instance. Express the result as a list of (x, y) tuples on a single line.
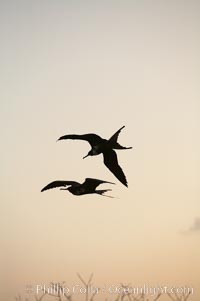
[(85, 156)]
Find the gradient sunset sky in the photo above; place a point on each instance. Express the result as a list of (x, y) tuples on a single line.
[(92, 67)]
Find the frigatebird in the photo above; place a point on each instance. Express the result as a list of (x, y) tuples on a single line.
[(106, 147), (87, 187)]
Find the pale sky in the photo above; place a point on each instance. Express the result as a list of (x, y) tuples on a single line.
[(91, 67)]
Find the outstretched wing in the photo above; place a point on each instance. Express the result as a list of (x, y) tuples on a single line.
[(110, 160), (93, 139), (93, 183), (55, 184)]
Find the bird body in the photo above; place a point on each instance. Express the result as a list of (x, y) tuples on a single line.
[(87, 187), (106, 147)]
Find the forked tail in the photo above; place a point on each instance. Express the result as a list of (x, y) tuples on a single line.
[(113, 140), (102, 191)]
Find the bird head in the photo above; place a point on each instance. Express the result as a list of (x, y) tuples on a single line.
[(90, 153)]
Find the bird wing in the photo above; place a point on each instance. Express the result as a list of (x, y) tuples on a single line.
[(93, 139), (93, 183), (55, 184), (110, 160), (115, 136)]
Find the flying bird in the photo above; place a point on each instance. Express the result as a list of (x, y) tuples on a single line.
[(106, 147), (87, 187)]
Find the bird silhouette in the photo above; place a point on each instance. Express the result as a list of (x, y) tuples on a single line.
[(87, 187), (106, 147)]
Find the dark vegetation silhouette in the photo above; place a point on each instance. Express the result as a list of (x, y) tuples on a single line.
[(105, 147), (180, 297), (87, 187)]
